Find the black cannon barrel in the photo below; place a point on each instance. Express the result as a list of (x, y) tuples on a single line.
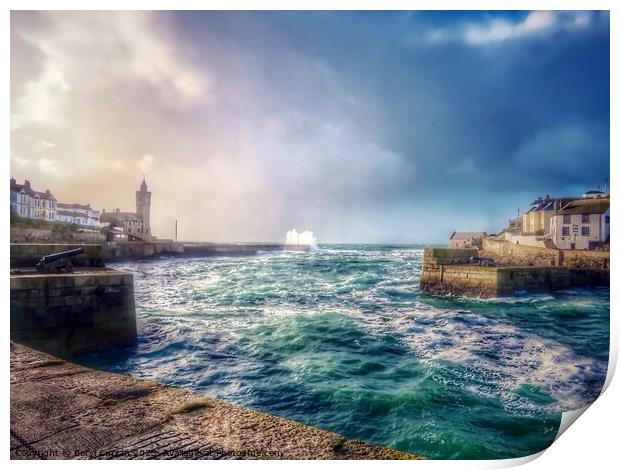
[(60, 255)]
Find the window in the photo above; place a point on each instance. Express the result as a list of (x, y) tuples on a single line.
[(585, 230), (565, 231), (585, 218), (566, 219), (606, 219)]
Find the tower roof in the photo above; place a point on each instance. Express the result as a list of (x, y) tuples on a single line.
[(143, 185)]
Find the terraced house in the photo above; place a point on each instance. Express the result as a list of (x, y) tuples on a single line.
[(78, 214), (31, 204)]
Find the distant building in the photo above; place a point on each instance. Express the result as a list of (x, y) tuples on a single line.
[(134, 225), (466, 239), (78, 214), (537, 220), (31, 204), (143, 209), (581, 224), (129, 222), (594, 194)]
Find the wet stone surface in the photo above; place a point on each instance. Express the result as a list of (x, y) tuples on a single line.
[(60, 410)]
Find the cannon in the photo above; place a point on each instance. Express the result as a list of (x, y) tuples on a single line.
[(58, 262)]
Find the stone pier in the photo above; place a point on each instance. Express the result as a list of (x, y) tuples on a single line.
[(89, 310), (448, 271), (61, 410)]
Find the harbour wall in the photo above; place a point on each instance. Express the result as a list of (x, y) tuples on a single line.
[(443, 274), (61, 410), (508, 253), (29, 254), (41, 235), (132, 251), (236, 249), (70, 314), (127, 251)]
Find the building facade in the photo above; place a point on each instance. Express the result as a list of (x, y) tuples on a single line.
[(134, 225), (466, 239), (143, 209), (537, 220), (78, 214), (582, 224), (31, 204)]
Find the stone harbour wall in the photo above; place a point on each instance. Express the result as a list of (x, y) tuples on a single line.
[(441, 274), (236, 249), (131, 251), (585, 259), (520, 255), (29, 254), (128, 251), (39, 235), (60, 410), (513, 254), (469, 280), (442, 256), (70, 314)]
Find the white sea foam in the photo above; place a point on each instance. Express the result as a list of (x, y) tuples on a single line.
[(489, 349)]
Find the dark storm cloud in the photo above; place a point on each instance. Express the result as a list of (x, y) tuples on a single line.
[(450, 107), (368, 126)]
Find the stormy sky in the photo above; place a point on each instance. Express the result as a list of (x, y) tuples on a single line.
[(359, 126)]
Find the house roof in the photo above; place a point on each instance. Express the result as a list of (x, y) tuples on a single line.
[(586, 206), (549, 204), (26, 188), (466, 235), (62, 205), (119, 216), (68, 213)]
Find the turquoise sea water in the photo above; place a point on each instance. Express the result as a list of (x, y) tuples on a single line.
[(342, 338)]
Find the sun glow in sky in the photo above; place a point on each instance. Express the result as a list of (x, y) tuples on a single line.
[(359, 126)]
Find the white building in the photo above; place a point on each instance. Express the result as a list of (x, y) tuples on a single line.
[(581, 224), (31, 204), (78, 214), (466, 239)]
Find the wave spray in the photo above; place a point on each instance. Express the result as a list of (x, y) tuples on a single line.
[(293, 237)]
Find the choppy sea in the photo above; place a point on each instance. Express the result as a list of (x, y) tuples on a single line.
[(343, 339)]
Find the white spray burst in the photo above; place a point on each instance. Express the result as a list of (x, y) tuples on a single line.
[(293, 237)]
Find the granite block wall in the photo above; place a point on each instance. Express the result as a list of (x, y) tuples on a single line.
[(71, 314)]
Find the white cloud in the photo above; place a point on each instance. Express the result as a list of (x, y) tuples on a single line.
[(118, 166), (501, 30), (146, 163), (42, 99), (48, 166), (536, 23), (83, 51), (21, 162)]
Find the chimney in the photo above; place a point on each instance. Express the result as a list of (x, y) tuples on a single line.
[(27, 184), (117, 210), (13, 181)]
